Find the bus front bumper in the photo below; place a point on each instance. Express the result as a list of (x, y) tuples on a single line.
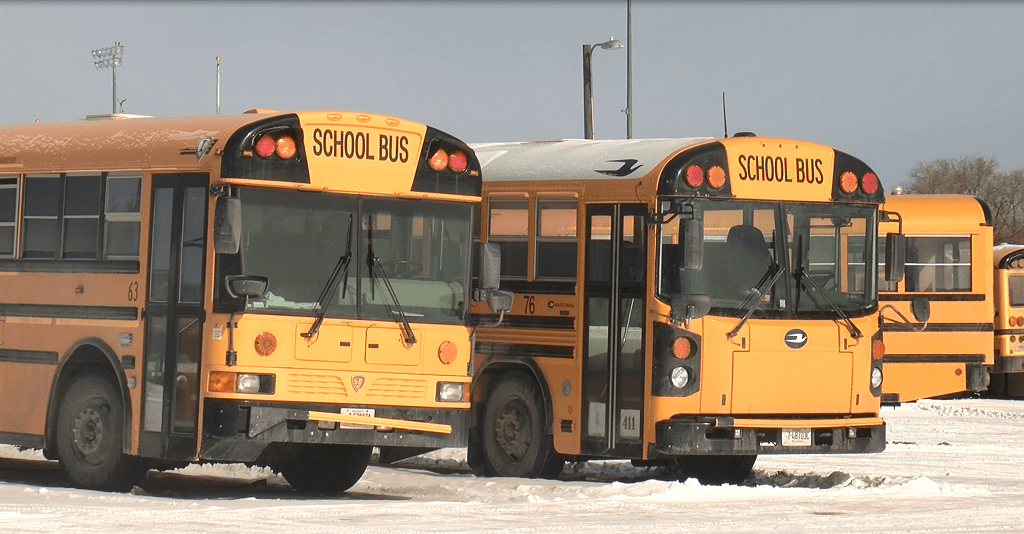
[(726, 435), (240, 431)]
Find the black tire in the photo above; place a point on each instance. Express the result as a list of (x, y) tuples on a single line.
[(90, 436), (716, 470), (327, 468), (515, 443)]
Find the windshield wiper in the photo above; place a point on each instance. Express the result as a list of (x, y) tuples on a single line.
[(327, 295), (757, 295), (373, 264), (800, 278)]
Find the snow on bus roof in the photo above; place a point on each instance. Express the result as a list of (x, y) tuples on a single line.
[(566, 159)]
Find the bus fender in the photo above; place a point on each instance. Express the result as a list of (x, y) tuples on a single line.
[(100, 353), (493, 368)]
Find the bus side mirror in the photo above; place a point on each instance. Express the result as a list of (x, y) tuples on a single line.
[(922, 309), (693, 245), (246, 285), (687, 307), (490, 266), (895, 257), (227, 225), (490, 280)]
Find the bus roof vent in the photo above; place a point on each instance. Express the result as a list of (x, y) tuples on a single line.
[(260, 110), (744, 134)]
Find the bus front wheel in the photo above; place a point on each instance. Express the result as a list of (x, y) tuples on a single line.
[(716, 470), (514, 441), (326, 468), (90, 433)]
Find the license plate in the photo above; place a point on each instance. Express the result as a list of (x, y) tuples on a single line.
[(361, 412), (797, 437)]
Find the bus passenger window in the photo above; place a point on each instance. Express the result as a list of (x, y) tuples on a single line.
[(40, 219), (8, 214), (936, 264), (122, 217), (507, 225), (555, 253), (82, 217)]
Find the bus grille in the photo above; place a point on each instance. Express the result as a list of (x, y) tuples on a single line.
[(316, 386), (398, 388)]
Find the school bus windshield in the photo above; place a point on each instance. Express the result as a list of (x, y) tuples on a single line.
[(820, 250), (297, 240)]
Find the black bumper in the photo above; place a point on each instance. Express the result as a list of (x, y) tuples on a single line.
[(239, 431), (680, 437)]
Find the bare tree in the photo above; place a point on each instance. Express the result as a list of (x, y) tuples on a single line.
[(979, 177)]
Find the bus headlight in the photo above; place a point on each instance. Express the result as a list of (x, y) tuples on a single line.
[(876, 377), (450, 391), (247, 383), (680, 376)]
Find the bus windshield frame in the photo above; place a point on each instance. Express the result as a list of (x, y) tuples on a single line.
[(296, 239), (821, 250)]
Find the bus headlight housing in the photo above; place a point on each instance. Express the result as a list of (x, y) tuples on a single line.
[(450, 391), (680, 376), (876, 377), (248, 383)]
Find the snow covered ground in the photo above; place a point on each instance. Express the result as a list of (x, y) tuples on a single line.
[(950, 466)]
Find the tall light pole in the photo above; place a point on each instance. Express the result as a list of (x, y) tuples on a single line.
[(218, 85), (588, 91), (109, 57), (629, 70)]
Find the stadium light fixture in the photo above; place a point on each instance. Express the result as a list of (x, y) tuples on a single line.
[(109, 57)]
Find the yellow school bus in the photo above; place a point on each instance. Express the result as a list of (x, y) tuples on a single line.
[(948, 258), (286, 289), (1008, 290), (697, 301)]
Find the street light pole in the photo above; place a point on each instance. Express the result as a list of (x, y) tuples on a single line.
[(109, 57), (588, 92)]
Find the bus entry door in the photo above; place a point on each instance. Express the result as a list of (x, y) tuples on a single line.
[(614, 313), (174, 316)]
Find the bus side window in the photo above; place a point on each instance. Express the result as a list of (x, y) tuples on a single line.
[(507, 225), (555, 252), (8, 214)]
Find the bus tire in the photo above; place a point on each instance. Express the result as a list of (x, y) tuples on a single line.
[(513, 437), (717, 470), (326, 468), (90, 434)]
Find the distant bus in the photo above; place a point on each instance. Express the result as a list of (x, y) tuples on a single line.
[(948, 256), (280, 289), (1008, 289), (697, 301)]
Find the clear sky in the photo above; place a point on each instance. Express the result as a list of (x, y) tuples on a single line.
[(893, 83)]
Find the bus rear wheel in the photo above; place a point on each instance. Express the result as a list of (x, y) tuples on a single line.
[(90, 434), (514, 441), (326, 468), (716, 470)]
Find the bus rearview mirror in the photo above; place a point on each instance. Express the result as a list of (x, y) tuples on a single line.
[(895, 257), (227, 225), (490, 266), (693, 244)]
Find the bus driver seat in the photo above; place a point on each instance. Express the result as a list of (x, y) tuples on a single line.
[(748, 256)]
